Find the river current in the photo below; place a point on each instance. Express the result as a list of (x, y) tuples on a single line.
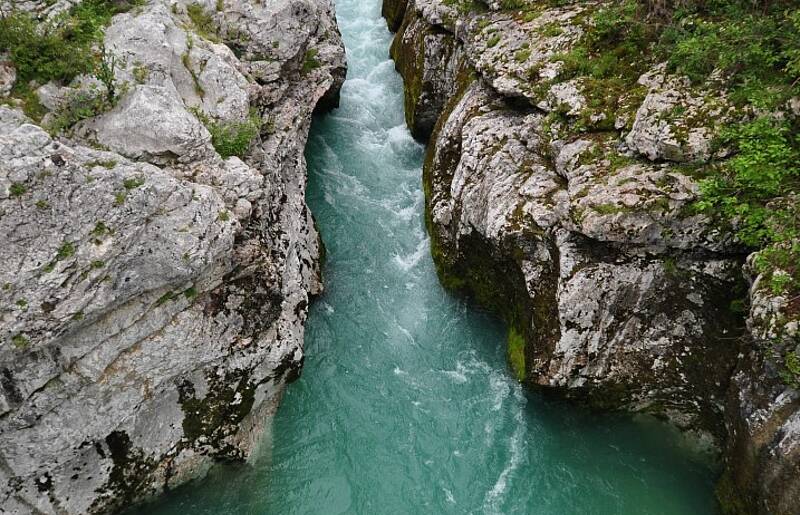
[(405, 404)]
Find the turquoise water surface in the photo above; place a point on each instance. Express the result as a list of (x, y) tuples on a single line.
[(405, 404)]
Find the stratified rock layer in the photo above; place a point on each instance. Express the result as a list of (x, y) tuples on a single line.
[(573, 220), (153, 293)]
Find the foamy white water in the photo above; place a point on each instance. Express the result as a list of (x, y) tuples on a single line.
[(405, 405)]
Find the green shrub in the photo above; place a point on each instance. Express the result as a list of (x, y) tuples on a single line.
[(132, 183), (60, 49), (17, 189), (79, 105), (52, 52), (20, 341), (522, 55), (67, 250), (792, 369), (202, 22), (467, 6), (105, 71), (748, 187), (757, 47), (232, 138), (513, 5)]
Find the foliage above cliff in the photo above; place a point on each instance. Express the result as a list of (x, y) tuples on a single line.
[(750, 50), (59, 49), (756, 47)]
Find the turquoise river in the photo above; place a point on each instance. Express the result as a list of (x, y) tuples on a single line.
[(405, 404)]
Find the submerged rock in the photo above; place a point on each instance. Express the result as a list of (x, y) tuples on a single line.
[(154, 292)]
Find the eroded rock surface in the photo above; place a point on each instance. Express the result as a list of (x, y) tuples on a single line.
[(154, 293), (568, 209)]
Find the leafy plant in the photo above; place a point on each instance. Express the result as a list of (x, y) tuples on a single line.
[(60, 48), (203, 22), (792, 369), (78, 105), (746, 189), (17, 189), (20, 341), (67, 250), (232, 138), (105, 72)]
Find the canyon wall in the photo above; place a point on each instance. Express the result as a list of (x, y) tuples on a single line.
[(155, 286), (567, 207)]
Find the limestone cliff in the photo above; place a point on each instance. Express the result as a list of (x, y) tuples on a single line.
[(568, 208), (154, 284)]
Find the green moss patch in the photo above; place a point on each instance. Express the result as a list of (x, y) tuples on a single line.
[(516, 354)]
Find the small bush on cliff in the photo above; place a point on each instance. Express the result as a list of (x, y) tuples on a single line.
[(203, 22), (754, 48), (232, 138), (59, 49), (51, 52), (792, 373), (749, 189)]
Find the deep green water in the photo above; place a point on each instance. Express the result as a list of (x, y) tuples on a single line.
[(406, 404)]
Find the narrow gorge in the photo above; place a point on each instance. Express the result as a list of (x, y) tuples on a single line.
[(510, 297)]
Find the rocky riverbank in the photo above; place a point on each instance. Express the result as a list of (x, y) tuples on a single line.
[(567, 204), (158, 256)]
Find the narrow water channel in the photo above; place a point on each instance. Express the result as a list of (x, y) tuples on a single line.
[(405, 404)]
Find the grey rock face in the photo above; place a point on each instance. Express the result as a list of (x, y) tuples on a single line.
[(616, 290), (763, 452), (151, 123), (614, 312), (433, 62), (154, 294), (676, 122), (8, 76)]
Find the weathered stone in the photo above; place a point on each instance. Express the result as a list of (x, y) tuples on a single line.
[(151, 123), (676, 122), (430, 60), (762, 461), (572, 216), (393, 11), (153, 294), (203, 73), (629, 326), (515, 55), (8, 76)]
